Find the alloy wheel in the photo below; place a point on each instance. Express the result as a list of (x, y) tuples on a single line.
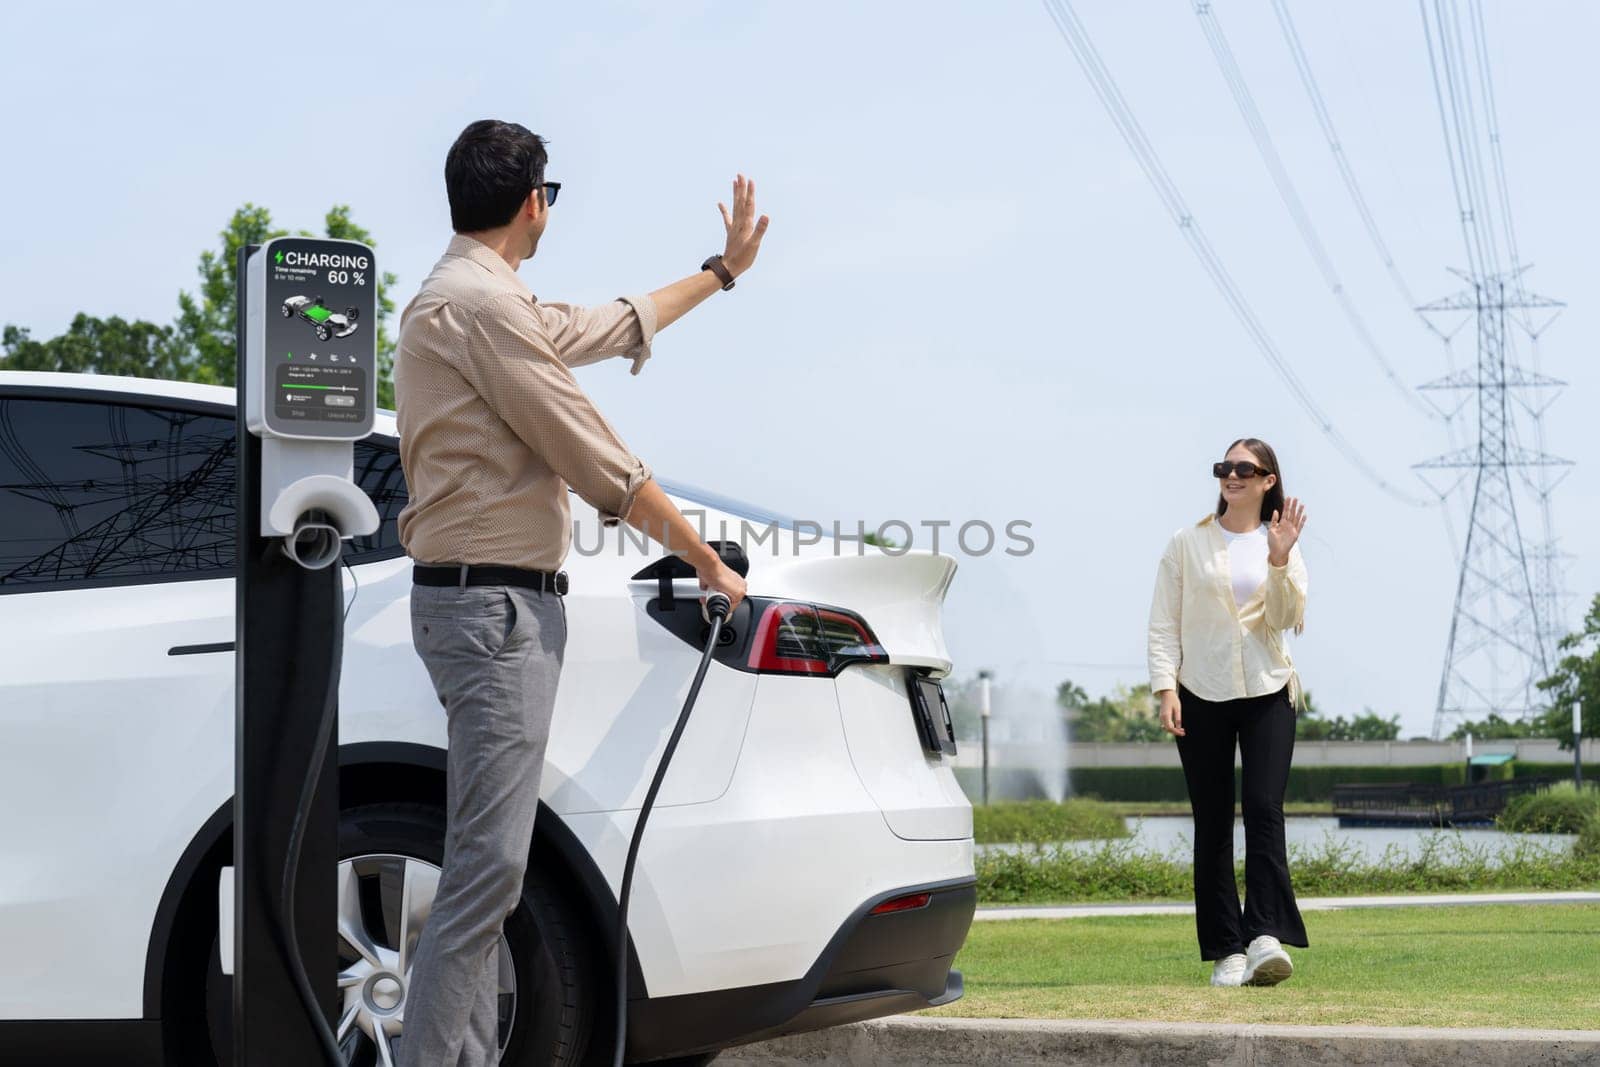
[(383, 905)]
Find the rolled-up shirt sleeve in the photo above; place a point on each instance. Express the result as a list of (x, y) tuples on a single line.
[(516, 367), (581, 335), (1166, 612), (1286, 593)]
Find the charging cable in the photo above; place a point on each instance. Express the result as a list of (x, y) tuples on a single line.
[(717, 607), (297, 834)]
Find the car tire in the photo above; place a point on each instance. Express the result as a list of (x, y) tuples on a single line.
[(323, 333), (288, 312), (352, 313), (550, 951)]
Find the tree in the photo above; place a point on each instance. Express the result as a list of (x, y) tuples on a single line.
[(1370, 726), (1311, 725), (100, 346), (1126, 715), (1577, 677), (1494, 728), (206, 324), (1070, 695), (199, 345), (337, 224)]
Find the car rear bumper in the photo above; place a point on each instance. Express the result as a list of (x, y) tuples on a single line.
[(874, 965)]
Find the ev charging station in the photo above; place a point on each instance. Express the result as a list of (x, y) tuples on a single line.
[(306, 390)]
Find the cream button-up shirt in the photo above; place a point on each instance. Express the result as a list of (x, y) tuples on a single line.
[(493, 425), (1199, 636)]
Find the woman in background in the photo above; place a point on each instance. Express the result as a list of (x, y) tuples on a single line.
[(1226, 589)]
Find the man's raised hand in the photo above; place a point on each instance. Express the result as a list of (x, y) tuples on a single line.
[(744, 229)]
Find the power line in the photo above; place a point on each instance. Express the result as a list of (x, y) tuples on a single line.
[(1244, 99), (1492, 122), (1463, 212), (1460, 125), (1358, 198), (1330, 133), (1105, 87)]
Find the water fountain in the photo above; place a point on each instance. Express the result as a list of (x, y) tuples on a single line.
[(1028, 736)]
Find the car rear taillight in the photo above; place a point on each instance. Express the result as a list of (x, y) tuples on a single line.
[(794, 638), (910, 902)]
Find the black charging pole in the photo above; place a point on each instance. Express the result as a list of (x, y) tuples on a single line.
[(286, 658)]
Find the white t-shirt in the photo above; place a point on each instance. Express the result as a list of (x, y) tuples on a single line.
[(1247, 560)]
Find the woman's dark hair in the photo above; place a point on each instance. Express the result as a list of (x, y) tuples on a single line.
[(1266, 457), (489, 172)]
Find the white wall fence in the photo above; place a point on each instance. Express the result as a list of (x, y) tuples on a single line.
[(1306, 753)]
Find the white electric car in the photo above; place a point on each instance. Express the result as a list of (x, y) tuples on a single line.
[(809, 861)]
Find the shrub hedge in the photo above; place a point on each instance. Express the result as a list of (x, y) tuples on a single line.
[(1447, 861), (1588, 844), (1311, 784), (1559, 771), (1558, 810)]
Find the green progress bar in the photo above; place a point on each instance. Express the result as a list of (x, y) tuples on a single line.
[(312, 387)]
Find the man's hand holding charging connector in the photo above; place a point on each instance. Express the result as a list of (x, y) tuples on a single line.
[(660, 520)]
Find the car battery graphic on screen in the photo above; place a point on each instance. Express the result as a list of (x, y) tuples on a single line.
[(328, 324)]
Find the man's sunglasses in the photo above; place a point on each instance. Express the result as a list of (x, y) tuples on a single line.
[(1244, 470), (551, 189)]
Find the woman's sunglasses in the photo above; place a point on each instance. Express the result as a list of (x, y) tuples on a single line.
[(1244, 470)]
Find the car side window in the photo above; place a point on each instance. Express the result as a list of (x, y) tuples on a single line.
[(377, 470), (106, 493)]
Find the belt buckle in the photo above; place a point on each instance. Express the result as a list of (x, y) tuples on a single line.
[(560, 584)]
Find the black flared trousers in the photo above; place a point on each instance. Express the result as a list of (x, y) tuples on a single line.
[(1262, 728)]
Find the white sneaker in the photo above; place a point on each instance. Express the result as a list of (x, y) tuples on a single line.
[(1229, 970), (1266, 963)]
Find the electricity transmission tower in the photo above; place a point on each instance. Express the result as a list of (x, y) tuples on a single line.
[(1507, 603), (1509, 596)]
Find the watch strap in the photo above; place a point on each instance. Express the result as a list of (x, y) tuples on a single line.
[(715, 265)]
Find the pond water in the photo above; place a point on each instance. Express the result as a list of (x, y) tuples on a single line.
[(1174, 836)]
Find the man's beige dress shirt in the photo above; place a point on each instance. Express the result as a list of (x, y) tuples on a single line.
[(1200, 636), (493, 426)]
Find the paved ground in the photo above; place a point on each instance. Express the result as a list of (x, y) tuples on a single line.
[(1080, 911), (1064, 1043)]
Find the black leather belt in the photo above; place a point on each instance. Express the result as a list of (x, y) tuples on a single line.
[(464, 574)]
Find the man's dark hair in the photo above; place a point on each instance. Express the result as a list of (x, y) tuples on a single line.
[(489, 172)]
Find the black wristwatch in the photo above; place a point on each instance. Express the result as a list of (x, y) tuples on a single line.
[(717, 267)]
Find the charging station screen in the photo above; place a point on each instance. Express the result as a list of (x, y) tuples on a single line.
[(320, 348), (330, 392)]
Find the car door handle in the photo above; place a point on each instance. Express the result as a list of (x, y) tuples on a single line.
[(195, 650)]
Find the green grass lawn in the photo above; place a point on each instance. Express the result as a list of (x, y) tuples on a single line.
[(1518, 966), (1181, 807)]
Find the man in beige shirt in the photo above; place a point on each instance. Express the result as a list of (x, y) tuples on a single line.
[(493, 430)]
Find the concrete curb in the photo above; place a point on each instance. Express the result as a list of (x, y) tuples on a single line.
[(1020, 1042), (1416, 900)]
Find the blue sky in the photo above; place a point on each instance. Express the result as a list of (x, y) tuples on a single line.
[(970, 304)]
